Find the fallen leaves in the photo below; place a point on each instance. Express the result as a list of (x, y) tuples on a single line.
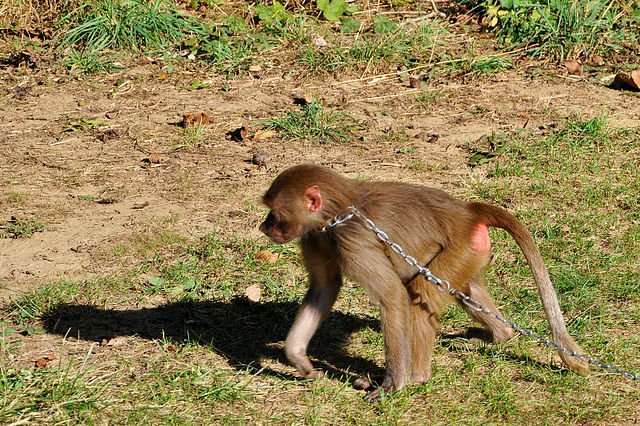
[(267, 256), (200, 118), (260, 159), (241, 134), (574, 67), (628, 82), (44, 361), (264, 134), (140, 206)]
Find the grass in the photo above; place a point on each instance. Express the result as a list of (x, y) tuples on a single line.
[(195, 135), (199, 343), (560, 29), (315, 122), (128, 24), (98, 36), (21, 227)]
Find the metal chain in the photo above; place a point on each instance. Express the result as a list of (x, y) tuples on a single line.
[(445, 287)]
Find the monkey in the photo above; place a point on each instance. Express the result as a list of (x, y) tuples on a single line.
[(447, 235)]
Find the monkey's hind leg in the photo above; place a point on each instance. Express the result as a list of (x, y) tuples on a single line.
[(426, 305), (499, 331)]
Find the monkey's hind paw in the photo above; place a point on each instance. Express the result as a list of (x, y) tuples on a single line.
[(362, 383)]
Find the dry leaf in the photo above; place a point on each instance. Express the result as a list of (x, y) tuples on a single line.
[(201, 118), (319, 41), (44, 361), (253, 292), (156, 158), (311, 97), (623, 81), (41, 362), (264, 134), (267, 256), (240, 134), (244, 129), (188, 120), (573, 66)]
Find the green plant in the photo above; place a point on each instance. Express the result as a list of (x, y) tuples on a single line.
[(315, 123), (332, 9), (229, 47), (194, 135), (126, 24), (273, 14), (21, 228), (82, 124), (556, 29), (90, 62)]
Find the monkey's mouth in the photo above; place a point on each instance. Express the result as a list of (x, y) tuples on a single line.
[(279, 239)]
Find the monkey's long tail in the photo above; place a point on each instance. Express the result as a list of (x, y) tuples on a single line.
[(499, 218)]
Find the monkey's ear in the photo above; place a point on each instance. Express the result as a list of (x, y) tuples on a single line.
[(312, 198)]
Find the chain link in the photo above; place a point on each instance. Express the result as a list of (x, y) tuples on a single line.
[(444, 286)]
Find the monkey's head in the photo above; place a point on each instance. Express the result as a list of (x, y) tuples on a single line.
[(302, 199)]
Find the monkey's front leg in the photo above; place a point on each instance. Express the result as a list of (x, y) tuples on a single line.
[(394, 321), (316, 305)]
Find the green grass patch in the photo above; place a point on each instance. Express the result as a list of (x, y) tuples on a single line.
[(126, 24), (21, 227), (559, 29), (315, 122)]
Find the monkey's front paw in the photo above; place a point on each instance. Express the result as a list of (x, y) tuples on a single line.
[(313, 374)]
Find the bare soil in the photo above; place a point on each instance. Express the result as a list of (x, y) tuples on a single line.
[(91, 183)]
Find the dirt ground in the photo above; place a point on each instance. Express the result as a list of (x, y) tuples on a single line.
[(75, 150)]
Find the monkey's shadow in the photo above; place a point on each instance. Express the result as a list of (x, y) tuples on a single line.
[(243, 332)]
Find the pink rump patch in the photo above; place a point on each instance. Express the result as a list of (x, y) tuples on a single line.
[(480, 237)]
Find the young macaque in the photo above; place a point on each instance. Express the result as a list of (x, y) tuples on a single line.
[(446, 235)]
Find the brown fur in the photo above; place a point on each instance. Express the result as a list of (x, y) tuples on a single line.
[(441, 232)]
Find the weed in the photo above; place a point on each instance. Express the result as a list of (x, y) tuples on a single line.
[(315, 123), (194, 135), (66, 392), (427, 97), (557, 29), (128, 24), (21, 228), (90, 62), (82, 124), (17, 197)]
